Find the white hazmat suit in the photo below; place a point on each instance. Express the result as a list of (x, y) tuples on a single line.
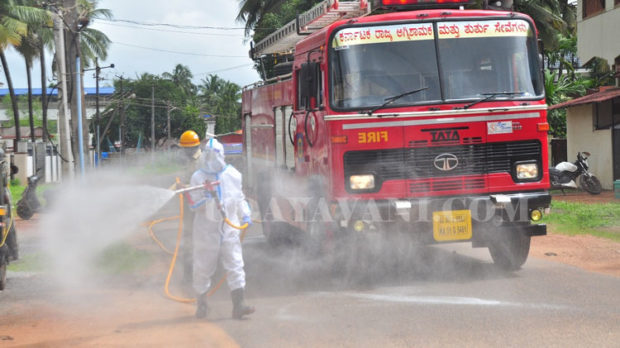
[(212, 237)]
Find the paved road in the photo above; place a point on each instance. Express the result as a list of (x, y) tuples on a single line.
[(453, 297), (447, 296)]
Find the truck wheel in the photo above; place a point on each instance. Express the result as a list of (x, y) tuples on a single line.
[(2, 272), (278, 233), (313, 238), (11, 242), (510, 250)]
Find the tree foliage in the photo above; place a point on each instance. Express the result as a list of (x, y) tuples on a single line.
[(174, 95)]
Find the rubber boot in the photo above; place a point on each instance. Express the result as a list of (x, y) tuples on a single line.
[(201, 306), (239, 307)]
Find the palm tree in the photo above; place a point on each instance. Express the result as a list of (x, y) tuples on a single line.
[(93, 43), (46, 41), (28, 48), (252, 11), (14, 30), (547, 15), (182, 77), (11, 29)]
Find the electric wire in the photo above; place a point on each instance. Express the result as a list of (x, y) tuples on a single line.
[(179, 26), (173, 31), (178, 52)]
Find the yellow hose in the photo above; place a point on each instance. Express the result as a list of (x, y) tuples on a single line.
[(152, 234), (174, 259), (6, 231)]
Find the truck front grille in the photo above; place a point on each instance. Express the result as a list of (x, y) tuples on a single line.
[(419, 163)]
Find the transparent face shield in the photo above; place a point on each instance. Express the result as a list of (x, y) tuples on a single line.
[(213, 158)]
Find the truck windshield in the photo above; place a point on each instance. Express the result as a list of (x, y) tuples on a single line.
[(454, 61)]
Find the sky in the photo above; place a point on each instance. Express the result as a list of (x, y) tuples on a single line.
[(137, 48)]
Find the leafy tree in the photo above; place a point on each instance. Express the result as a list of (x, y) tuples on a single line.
[(222, 99), (29, 48), (263, 17), (13, 19), (138, 110), (93, 43), (181, 76), (559, 89)]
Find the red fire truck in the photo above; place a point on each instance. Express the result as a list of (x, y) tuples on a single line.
[(419, 117)]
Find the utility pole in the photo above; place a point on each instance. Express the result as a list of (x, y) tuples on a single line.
[(97, 117), (169, 109), (78, 87), (63, 129), (122, 126), (153, 118), (168, 118)]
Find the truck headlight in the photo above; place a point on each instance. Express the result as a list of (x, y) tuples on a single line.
[(362, 182), (527, 171)]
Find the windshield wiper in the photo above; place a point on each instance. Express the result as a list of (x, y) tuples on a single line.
[(490, 96), (390, 100)]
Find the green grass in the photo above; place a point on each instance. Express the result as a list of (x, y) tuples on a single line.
[(571, 218), (29, 263), (17, 190), (121, 258)]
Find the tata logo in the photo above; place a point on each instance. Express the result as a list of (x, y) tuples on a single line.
[(444, 135), (446, 162)]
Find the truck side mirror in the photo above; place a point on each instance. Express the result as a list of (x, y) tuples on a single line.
[(14, 169)]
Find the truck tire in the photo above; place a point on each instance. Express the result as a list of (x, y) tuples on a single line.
[(510, 250), (3, 263), (279, 233), (11, 242)]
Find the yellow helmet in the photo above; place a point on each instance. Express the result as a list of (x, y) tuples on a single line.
[(189, 139)]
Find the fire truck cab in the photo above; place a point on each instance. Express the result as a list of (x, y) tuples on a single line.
[(425, 121)]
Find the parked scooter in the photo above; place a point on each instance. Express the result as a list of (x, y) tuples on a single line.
[(568, 175), (29, 203)]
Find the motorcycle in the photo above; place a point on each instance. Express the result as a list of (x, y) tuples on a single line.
[(29, 203), (568, 175)]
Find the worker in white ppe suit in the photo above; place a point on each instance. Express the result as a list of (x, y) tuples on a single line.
[(213, 238)]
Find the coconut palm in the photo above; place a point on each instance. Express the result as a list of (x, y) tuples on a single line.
[(11, 29), (548, 17), (93, 43), (29, 49), (252, 11), (182, 77)]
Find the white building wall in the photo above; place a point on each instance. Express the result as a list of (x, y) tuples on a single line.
[(597, 36), (581, 136)]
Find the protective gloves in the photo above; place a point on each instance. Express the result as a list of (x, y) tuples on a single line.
[(247, 220)]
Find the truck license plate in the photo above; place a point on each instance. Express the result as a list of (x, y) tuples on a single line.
[(451, 225)]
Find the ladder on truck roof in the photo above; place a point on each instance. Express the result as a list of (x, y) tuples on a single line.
[(325, 13)]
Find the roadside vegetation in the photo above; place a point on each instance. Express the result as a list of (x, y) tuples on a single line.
[(573, 218)]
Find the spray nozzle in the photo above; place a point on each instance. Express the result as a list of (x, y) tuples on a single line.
[(209, 186)]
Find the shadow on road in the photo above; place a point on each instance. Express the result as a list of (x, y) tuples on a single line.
[(287, 269)]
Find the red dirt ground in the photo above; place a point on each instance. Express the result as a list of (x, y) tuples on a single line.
[(583, 251)]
